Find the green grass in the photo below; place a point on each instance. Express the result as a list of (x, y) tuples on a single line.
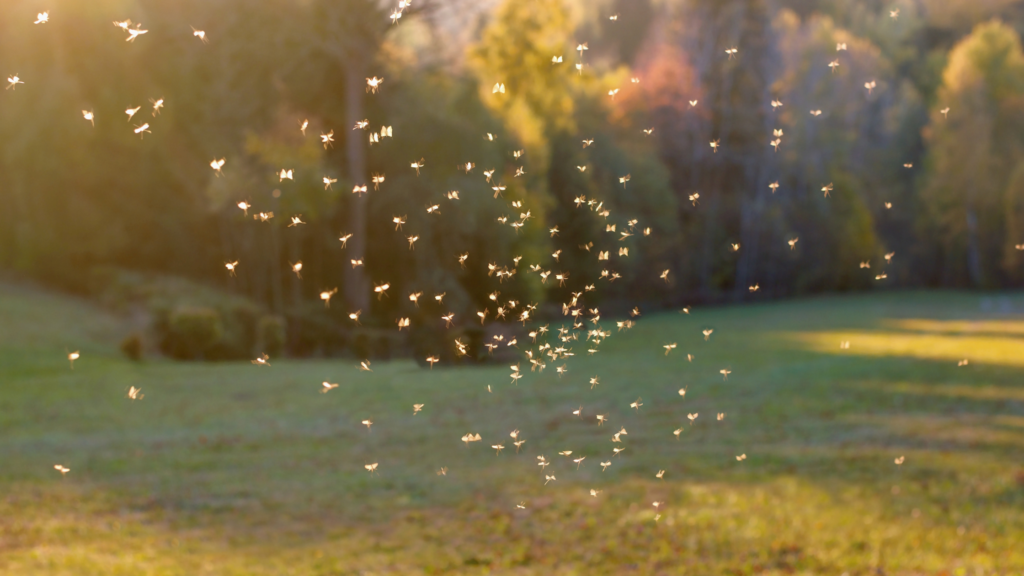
[(239, 469)]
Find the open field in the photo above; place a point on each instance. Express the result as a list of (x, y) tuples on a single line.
[(238, 469)]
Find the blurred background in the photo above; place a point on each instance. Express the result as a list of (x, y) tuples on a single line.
[(918, 130)]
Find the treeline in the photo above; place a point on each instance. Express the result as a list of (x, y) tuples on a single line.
[(843, 145)]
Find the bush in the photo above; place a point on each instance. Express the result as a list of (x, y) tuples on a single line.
[(161, 297), (310, 332), (193, 331), (271, 335), (132, 347)]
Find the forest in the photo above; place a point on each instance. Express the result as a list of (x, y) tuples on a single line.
[(296, 176)]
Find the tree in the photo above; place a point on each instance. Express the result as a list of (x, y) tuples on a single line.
[(350, 34), (974, 147)]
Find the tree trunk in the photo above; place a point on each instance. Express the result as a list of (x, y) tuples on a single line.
[(357, 289), (973, 251)]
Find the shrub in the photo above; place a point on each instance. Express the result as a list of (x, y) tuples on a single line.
[(311, 332), (132, 346), (193, 331), (361, 345), (161, 297), (271, 335)]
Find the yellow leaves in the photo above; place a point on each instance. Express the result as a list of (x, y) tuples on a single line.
[(991, 55), (515, 51)]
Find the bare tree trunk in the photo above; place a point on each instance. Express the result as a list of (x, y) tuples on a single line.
[(973, 251), (276, 292), (357, 289), (294, 246)]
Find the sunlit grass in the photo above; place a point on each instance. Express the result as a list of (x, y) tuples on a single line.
[(235, 469), (951, 347)]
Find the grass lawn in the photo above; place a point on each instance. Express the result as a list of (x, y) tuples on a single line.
[(238, 469)]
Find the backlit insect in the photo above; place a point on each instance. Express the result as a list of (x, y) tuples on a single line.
[(327, 387), (88, 115), (135, 393), (371, 467), (373, 84), (326, 296), (61, 469), (134, 33)]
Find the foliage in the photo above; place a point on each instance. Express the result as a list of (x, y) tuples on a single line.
[(974, 150), (271, 339), (225, 326), (942, 193), (192, 332), (131, 346)]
